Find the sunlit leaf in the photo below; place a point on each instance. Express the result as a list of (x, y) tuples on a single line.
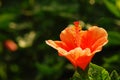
[(98, 73), (112, 7)]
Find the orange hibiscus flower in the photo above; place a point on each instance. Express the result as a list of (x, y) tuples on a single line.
[(79, 46)]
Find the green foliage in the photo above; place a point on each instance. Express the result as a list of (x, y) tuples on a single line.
[(5, 19), (114, 75), (113, 6), (98, 73), (95, 72)]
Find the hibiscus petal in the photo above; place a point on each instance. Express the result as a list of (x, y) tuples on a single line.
[(83, 61), (58, 45), (94, 39), (97, 46), (70, 37), (61, 44), (52, 43), (78, 57)]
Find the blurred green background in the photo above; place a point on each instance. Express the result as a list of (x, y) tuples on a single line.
[(26, 24)]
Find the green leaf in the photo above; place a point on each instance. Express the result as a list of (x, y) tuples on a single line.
[(112, 7), (118, 4), (114, 75), (93, 72), (98, 73)]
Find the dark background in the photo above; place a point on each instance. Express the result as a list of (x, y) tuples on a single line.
[(28, 23)]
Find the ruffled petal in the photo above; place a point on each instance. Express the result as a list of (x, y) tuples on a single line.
[(78, 57), (84, 60), (61, 44), (68, 37), (58, 45), (94, 39), (52, 43)]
